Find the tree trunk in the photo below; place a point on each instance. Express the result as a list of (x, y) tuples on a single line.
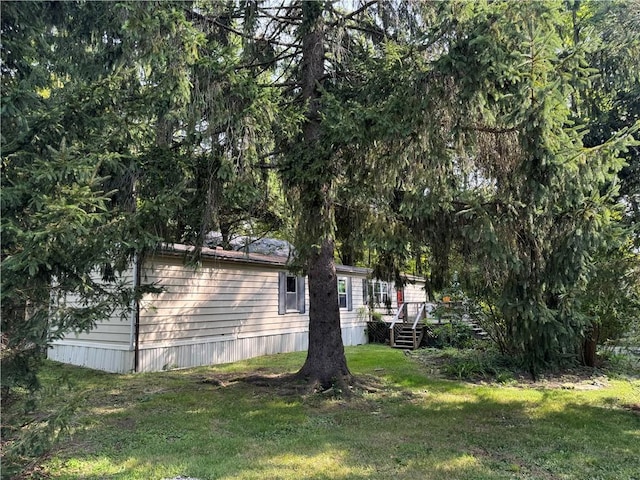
[(326, 364), (590, 346)]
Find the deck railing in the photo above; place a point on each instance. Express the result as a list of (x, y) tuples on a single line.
[(402, 316), (420, 315)]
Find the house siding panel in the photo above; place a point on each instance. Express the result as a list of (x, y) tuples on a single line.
[(217, 299), (108, 346), (414, 291), (221, 351), (165, 357), (224, 310), (109, 358)]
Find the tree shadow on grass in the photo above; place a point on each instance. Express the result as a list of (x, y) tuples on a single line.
[(479, 438), (206, 424)]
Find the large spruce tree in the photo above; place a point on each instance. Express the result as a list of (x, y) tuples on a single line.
[(538, 203)]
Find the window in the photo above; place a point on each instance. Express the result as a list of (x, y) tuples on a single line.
[(292, 293), (344, 293), (291, 298), (379, 293), (384, 293)]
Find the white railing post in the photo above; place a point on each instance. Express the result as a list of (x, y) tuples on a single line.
[(418, 316), (393, 324)]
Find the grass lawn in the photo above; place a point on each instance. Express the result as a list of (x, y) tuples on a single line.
[(208, 423)]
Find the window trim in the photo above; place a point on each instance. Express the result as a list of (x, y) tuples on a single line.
[(348, 294), (342, 295), (291, 296)]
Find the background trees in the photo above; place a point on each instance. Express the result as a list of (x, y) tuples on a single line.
[(609, 33)]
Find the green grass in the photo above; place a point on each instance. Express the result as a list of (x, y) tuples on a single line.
[(416, 426)]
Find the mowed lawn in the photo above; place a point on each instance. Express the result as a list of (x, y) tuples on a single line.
[(210, 423)]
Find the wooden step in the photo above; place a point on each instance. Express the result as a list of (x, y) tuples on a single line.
[(478, 331), (404, 337)]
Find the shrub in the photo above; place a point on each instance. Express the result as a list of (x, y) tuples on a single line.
[(617, 365), (474, 364), (30, 429), (455, 334)]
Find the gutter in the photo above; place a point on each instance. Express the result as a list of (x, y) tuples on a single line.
[(236, 256), (135, 314)]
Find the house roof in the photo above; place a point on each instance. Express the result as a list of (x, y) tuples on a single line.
[(247, 258)]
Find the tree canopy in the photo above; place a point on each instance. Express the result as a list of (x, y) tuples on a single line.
[(491, 138)]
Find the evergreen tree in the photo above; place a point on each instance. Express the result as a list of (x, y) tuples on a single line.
[(609, 32), (98, 101), (438, 131), (341, 159), (542, 205)]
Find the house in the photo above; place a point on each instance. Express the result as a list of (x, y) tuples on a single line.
[(233, 306)]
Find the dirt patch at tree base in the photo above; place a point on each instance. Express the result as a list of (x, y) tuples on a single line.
[(292, 385)]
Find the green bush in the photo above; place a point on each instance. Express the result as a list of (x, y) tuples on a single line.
[(30, 427), (474, 364), (620, 365), (455, 334)]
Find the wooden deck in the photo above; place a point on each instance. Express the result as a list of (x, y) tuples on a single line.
[(410, 323)]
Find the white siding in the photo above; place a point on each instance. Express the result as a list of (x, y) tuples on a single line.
[(216, 300), (414, 291), (109, 358), (210, 352), (355, 317), (108, 346), (223, 312)]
